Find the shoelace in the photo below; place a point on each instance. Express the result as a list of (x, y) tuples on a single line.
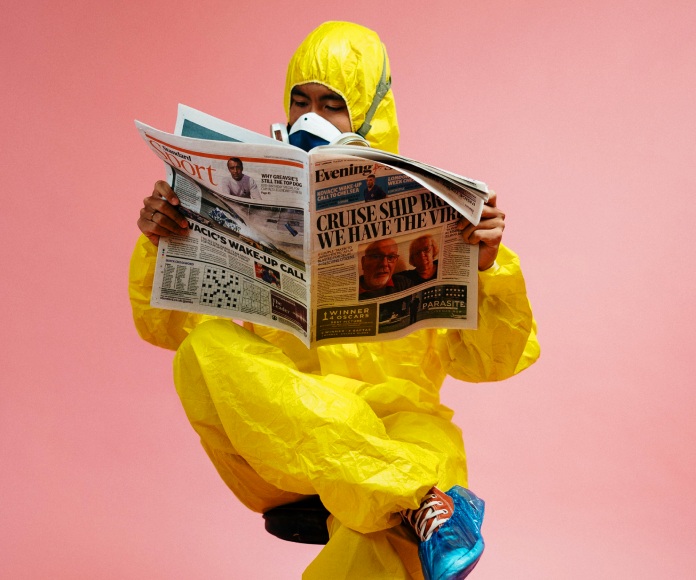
[(426, 519)]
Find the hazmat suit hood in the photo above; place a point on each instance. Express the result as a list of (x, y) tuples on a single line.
[(348, 59)]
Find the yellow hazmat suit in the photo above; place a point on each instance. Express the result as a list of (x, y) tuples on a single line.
[(359, 424)]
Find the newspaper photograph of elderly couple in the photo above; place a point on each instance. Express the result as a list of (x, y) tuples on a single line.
[(341, 244)]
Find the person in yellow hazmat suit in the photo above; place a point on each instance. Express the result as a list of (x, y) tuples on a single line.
[(360, 426)]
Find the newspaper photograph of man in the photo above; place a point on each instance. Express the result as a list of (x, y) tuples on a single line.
[(371, 191), (378, 263), (238, 184), (422, 255)]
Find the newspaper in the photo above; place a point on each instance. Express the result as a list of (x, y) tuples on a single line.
[(341, 244)]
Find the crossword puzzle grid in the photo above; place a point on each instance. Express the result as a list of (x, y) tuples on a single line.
[(221, 288), (256, 300)]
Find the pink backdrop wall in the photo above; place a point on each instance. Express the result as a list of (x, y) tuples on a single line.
[(580, 115)]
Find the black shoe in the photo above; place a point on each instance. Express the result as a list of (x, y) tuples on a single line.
[(303, 521)]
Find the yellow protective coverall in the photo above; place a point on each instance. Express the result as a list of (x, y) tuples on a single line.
[(359, 424)]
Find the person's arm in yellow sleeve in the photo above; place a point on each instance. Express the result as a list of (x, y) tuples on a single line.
[(505, 342), (158, 217)]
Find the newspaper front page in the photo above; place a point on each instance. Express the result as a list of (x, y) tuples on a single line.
[(372, 222), (332, 246)]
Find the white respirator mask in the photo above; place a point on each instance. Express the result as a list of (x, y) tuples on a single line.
[(312, 130)]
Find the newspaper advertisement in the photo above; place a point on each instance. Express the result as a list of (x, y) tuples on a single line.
[(333, 245)]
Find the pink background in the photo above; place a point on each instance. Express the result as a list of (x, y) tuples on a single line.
[(581, 115)]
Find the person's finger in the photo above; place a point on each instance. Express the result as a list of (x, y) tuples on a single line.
[(150, 227), (488, 212), (162, 189), (465, 229), (489, 237), (492, 198), (168, 224), (484, 224), (146, 227), (154, 239), (153, 205)]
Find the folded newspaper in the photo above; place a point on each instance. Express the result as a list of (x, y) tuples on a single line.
[(341, 244)]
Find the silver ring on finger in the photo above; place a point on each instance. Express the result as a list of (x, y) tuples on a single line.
[(152, 217)]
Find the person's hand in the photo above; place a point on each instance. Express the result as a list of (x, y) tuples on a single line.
[(487, 234), (159, 215)]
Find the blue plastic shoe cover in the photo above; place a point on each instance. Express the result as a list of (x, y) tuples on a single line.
[(455, 548)]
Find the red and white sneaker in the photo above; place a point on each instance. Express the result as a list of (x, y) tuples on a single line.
[(435, 509)]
